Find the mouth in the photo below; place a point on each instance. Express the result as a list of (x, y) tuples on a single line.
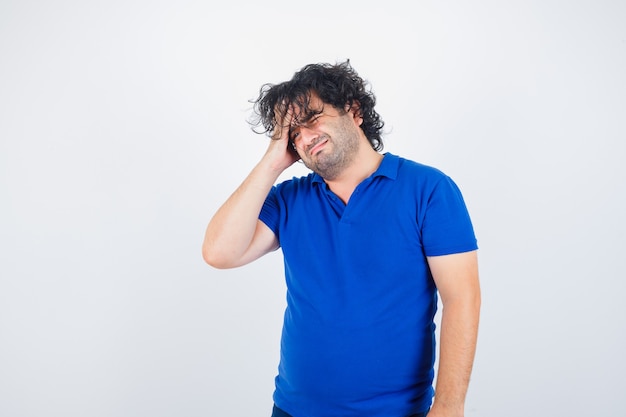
[(317, 147)]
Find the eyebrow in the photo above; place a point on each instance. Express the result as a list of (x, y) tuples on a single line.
[(308, 115)]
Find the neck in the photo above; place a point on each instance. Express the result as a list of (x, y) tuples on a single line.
[(365, 163)]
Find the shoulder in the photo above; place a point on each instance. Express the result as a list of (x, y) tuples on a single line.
[(297, 187), (414, 171), (296, 183)]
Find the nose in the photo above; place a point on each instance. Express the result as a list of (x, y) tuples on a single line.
[(306, 136)]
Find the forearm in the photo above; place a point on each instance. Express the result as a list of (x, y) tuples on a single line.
[(459, 330), (231, 230)]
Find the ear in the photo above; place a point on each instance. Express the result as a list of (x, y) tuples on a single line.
[(355, 110)]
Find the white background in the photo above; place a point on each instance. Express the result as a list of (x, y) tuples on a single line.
[(123, 128)]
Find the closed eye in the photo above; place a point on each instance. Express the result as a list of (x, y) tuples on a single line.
[(294, 132), (313, 120)]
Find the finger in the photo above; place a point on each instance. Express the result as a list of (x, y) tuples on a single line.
[(279, 123), (285, 113), (278, 132)]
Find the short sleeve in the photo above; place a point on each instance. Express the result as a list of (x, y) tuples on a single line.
[(270, 212), (447, 227)]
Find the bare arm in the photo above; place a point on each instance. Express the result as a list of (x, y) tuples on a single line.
[(456, 277), (235, 236)]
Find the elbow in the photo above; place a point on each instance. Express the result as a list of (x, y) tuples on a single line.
[(214, 258)]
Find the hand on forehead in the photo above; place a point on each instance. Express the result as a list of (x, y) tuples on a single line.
[(298, 111)]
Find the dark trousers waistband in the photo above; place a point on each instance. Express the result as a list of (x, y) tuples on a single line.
[(277, 412)]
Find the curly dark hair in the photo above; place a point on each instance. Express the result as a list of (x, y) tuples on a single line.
[(338, 85)]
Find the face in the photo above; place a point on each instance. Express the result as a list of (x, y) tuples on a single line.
[(328, 141)]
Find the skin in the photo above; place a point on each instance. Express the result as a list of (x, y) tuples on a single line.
[(327, 155), (333, 145), (456, 278)]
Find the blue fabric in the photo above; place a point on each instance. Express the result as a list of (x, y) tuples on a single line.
[(358, 335)]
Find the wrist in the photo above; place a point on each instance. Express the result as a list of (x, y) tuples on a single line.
[(269, 169), (443, 409)]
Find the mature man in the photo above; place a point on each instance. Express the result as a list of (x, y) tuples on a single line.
[(369, 241)]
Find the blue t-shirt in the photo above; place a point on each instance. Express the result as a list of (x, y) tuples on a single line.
[(358, 335)]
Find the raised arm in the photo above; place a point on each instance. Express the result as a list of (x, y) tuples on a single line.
[(235, 236), (456, 277)]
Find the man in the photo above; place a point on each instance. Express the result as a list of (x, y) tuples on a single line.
[(368, 240)]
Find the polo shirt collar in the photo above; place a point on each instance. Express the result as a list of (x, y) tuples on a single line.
[(388, 168)]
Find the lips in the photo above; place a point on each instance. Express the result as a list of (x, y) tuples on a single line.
[(317, 146)]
